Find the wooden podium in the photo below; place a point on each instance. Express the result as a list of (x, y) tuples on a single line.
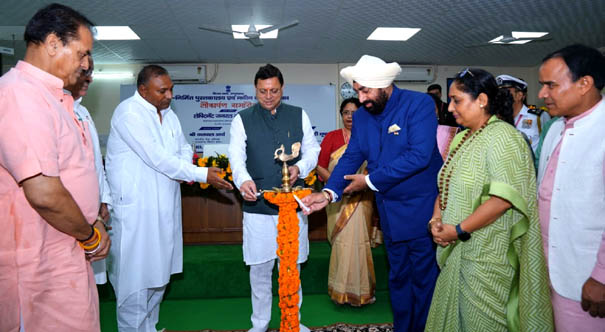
[(212, 216)]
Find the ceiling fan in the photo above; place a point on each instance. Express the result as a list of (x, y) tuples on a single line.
[(252, 34), (512, 38)]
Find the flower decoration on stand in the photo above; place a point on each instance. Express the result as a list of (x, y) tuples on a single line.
[(311, 178), (220, 161), (287, 251)]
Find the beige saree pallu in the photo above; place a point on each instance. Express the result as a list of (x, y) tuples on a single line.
[(351, 278)]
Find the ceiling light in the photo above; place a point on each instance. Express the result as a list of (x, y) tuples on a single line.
[(519, 42), (400, 34), (526, 34), (497, 40), (115, 33), (112, 75), (244, 28)]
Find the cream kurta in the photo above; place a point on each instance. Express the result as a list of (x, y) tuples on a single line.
[(145, 161)]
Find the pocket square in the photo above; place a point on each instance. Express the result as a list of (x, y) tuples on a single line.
[(394, 128)]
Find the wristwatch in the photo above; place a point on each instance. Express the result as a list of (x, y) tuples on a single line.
[(327, 195), (462, 235)]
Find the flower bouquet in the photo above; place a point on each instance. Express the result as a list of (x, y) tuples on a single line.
[(311, 178), (220, 161)]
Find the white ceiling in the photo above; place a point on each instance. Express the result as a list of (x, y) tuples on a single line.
[(330, 31)]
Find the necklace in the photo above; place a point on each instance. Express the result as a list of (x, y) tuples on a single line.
[(444, 181), (345, 137)]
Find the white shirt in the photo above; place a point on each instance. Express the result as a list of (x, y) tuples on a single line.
[(260, 230), (104, 192), (145, 161), (527, 123), (84, 115)]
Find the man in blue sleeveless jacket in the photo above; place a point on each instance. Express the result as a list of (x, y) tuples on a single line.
[(256, 133), (395, 131)]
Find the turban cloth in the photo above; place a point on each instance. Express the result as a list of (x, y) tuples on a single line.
[(371, 72)]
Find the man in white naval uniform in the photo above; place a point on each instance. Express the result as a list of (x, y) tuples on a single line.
[(78, 91), (529, 121), (147, 157), (256, 133)]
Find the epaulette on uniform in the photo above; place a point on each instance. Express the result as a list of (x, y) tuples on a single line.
[(532, 109)]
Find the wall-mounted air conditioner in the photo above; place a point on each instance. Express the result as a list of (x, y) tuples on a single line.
[(416, 74), (186, 73)]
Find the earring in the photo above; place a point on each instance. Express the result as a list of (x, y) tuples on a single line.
[(481, 105)]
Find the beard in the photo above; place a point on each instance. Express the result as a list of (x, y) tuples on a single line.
[(376, 106)]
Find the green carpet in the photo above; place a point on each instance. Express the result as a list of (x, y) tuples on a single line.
[(234, 313), (218, 271), (213, 292)]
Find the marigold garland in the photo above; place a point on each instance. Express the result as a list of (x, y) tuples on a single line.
[(287, 251)]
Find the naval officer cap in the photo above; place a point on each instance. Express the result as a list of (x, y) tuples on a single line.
[(507, 81), (371, 72)]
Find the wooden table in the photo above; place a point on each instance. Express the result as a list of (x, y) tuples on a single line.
[(212, 216)]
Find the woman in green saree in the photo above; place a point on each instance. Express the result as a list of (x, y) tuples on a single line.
[(351, 277), (493, 274)]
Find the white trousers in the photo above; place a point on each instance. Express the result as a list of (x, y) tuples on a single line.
[(262, 297), (140, 311)]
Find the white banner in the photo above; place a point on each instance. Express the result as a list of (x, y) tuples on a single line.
[(206, 110)]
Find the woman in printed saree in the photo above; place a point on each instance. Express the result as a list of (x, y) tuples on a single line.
[(351, 277), (493, 274)]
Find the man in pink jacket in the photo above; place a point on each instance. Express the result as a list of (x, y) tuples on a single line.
[(49, 196)]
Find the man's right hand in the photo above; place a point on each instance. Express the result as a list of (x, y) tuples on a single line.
[(248, 190), (314, 202), (215, 180)]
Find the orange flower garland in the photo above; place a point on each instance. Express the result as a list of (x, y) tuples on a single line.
[(287, 251)]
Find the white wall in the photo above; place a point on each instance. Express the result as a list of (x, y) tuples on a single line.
[(529, 74), (104, 94)]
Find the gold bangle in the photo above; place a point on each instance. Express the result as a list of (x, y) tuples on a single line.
[(100, 219), (87, 247), (327, 195), (430, 223)]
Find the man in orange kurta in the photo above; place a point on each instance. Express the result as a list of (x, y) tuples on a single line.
[(48, 185)]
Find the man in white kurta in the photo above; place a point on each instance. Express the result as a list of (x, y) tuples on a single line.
[(147, 156), (78, 91), (260, 229), (571, 190)]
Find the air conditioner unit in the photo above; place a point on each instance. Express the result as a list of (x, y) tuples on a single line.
[(416, 74), (186, 73)]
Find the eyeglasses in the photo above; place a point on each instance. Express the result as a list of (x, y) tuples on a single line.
[(345, 113), (464, 72)]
